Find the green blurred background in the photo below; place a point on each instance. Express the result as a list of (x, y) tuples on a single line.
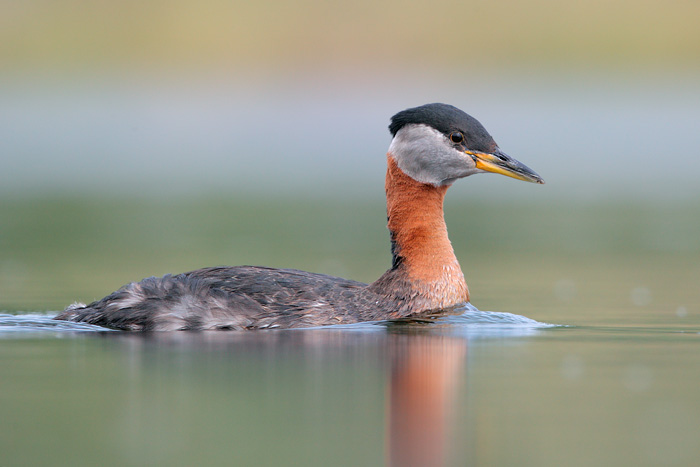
[(139, 138)]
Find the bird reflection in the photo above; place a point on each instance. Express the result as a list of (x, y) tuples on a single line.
[(423, 370), (424, 374)]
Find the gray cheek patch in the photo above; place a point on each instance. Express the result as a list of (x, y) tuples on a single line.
[(425, 154)]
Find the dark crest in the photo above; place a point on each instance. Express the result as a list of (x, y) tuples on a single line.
[(446, 119)]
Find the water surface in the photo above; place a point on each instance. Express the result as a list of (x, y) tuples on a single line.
[(492, 389)]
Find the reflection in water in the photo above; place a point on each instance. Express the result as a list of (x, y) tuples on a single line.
[(424, 374), (364, 393), (360, 395), (424, 370)]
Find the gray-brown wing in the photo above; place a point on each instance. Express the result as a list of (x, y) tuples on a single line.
[(244, 297)]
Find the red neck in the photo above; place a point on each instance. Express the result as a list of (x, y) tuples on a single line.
[(420, 245)]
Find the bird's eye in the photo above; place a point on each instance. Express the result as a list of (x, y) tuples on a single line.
[(456, 137)]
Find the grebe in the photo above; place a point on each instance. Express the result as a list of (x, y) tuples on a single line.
[(433, 145)]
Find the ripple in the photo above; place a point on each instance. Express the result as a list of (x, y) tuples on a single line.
[(475, 323), (466, 321), (38, 322), (473, 316)]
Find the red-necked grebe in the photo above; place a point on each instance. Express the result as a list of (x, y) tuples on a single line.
[(433, 145)]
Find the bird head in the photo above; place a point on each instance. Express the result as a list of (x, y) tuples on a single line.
[(437, 144)]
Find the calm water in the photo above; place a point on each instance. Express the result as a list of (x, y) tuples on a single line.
[(478, 389)]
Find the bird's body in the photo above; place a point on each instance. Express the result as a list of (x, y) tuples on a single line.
[(433, 146)]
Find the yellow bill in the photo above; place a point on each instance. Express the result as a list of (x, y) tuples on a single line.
[(503, 164)]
